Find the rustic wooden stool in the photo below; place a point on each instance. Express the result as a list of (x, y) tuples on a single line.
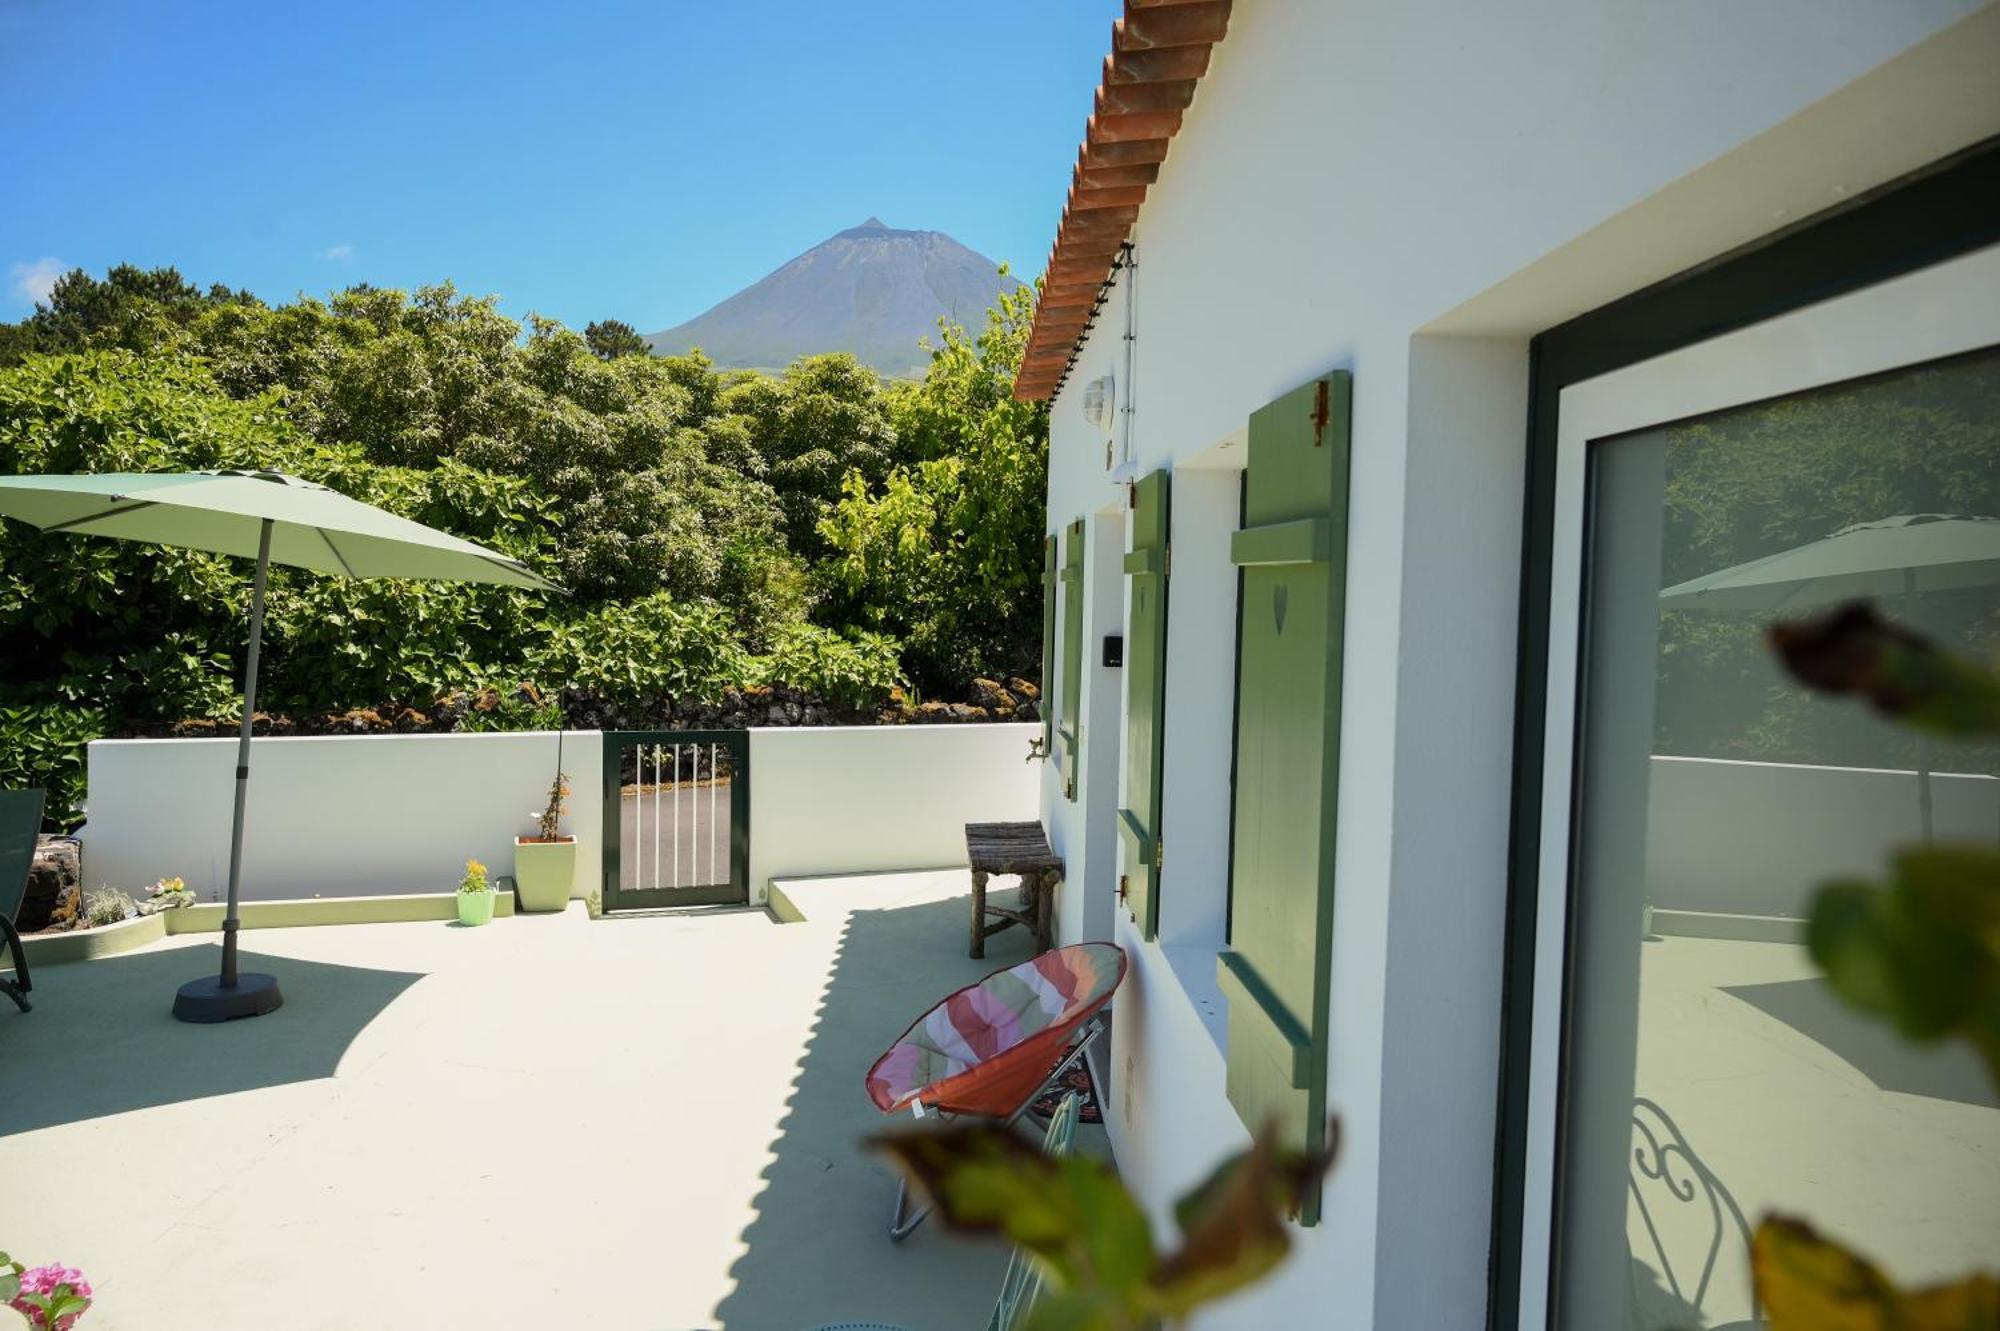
[(1013, 848)]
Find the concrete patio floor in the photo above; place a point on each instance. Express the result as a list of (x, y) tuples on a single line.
[(641, 1122)]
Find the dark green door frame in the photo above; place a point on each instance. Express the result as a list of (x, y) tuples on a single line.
[(1939, 213), (735, 891)]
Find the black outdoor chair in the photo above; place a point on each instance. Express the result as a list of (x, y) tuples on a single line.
[(20, 827)]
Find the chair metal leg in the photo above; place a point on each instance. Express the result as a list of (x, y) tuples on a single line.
[(905, 1221), (18, 987)]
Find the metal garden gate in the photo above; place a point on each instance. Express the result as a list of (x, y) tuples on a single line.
[(676, 818)]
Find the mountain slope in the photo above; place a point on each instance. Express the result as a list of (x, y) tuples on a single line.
[(872, 290)]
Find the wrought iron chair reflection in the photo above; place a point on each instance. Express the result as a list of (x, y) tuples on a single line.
[(1666, 1169)]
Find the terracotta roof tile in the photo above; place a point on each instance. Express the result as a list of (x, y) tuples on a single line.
[(1123, 154), (1126, 98), (1090, 198), (1167, 63), (1150, 27), (1159, 52), (1097, 177)]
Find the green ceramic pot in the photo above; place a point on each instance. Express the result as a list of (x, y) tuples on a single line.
[(476, 907), (544, 873)]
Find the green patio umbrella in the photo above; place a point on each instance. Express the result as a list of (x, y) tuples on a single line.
[(1904, 556), (270, 517)]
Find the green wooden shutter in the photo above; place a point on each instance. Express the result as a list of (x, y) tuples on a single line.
[(1145, 700), (1293, 553), (1046, 703), (1069, 731)]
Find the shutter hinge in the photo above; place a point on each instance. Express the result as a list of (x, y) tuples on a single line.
[(1159, 853), (1321, 412), (1166, 561)]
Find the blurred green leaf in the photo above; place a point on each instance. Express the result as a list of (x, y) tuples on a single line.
[(1806, 1282), (1232, 1224), (1072, 1212), (1081, 1310), (1092, 1238), (1922, 949), (1901, 674)]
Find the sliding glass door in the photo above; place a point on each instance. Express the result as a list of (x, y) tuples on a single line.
[(1690, 1070)]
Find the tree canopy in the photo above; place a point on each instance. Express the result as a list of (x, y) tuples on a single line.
[(819, 527)]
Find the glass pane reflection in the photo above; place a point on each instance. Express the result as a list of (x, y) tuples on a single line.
[(1712, 1076)]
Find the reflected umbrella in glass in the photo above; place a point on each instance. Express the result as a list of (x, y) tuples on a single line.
[(1899, 557)]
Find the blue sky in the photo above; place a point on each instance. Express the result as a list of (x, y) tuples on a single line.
[(583, 160)]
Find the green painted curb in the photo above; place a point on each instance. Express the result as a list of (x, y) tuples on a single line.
[(207, 917), (88, 944), (782, 907)]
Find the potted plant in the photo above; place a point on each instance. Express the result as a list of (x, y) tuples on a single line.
[(475, 895), (545, 863)]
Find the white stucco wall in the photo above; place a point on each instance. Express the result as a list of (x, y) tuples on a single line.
[(334, 816), (360, 815), (864, 799), (1411, 193)]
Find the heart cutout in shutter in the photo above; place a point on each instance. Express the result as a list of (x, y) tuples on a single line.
[(1278, 598)]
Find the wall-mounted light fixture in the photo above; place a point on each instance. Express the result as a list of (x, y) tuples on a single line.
[(1100, 402)]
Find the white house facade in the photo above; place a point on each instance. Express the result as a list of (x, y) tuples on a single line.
[(1408, 367)]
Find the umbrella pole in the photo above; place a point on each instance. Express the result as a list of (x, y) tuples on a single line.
[(1923, 745), (231, 994), (1924, 786), (230, 922)]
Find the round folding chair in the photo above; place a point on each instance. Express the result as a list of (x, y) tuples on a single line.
[(992, 1048)]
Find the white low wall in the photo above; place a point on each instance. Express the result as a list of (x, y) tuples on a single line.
[(1756, 838), (367, 815), (332, 816), (865, 799)]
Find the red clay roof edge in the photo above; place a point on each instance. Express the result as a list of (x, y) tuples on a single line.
[(1159, 53)]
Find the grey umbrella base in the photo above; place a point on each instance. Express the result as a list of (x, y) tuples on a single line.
[(210, 999)]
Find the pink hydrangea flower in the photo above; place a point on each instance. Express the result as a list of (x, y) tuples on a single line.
[(43, 1280)]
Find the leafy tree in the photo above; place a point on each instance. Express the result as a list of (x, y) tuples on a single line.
[(945, 552), (130, 307), (611, 338), (634, 652), (851, 669), (825, 417), (711, 527), (130, 634), (621, 443)]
